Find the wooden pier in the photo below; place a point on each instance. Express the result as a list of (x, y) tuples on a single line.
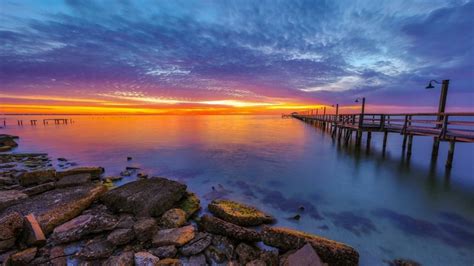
[(447, 127), (33, 122)]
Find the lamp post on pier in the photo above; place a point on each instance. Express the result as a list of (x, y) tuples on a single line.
[(441, 109), (361, 120)]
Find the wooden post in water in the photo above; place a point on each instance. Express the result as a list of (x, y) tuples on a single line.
[(385, 136), (410, 144), (441, 108), (369, 137), (449, 161)]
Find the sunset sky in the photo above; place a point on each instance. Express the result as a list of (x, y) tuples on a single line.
[(233, 56)]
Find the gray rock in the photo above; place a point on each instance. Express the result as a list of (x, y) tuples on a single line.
[(198, 260), (95, 172), (120, 237), (74, 180), (165, 251), (175, 236), (126, 221), (37, 177), (144, 228), (173, 218), (221, 249), (31, 191), (10, 197), (146, 197), (82, 226), (11, 226), (246, 253), (305, 256), (57, 206), (146, 259), (217, 226), (125, 258), (96, 249), (200, 242)]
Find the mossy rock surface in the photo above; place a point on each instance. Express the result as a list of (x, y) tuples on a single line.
[(239, 213)]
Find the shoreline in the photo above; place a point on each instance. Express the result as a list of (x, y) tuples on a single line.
[(156, 220)]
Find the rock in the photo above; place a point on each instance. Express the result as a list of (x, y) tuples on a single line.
[(221, 249), (83, 225), (173, 218), (113, 178), (10, 197), (61, 159), (270, 257), (95, 172), (23, 257), (96, 249), (11, 226), (57, 206), (4, 148), (74, 180), (129, 158), (37, 177), (196, 245), (238, 213), (199, 260), (34, 233), (165, 252), (246, 253), (175, 236), (125, 173), (217, 226), (170, 262), (142, 175), (146, 197), (120, 237), (404, 262), (7, 181), (126, 221), (125, 258), (31, 191), (259, 262), (146, 259), (303, 256), (190, 204), (57, 256), (331, 252), (144, 229)]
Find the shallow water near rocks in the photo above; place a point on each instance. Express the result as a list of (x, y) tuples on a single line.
[(383, 206)]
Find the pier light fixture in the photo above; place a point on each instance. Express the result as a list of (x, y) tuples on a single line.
[(430, 84), (443, 96)]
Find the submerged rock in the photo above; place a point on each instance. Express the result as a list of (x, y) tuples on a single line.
[(10, 197), (238, 213), (332, 252), (58, 206), (217, 226), (83, 225), (37, 177), (11, 226), (173, 218), (146, 197), (175, 236)]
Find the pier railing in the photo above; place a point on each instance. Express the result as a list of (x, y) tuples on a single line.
[(449, 127)]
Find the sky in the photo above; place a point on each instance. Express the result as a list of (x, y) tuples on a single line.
[(234, 57)]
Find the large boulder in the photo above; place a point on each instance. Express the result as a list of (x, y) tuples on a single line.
[(331, 252), (95, 172), (218, 226), (82, 226), (239, 213), (37, 177), (58, 206), (11, 225), (146, 197), (174, 236), (10, 197)]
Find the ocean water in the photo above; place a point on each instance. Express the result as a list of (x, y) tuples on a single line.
[(383, 205)]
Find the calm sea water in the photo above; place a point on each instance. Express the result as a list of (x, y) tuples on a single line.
[(384, 206)]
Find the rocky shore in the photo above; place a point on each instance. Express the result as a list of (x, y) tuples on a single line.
[(75, 216)]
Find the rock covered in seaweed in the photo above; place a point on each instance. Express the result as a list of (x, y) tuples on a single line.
[(218, 226), (239, 213)]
